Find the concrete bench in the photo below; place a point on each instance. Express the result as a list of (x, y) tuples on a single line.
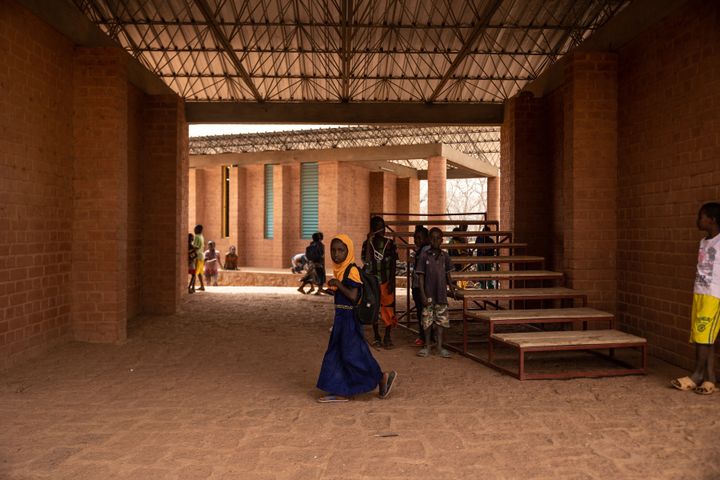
[(568, 341)]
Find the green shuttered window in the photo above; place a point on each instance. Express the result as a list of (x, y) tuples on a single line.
[(269, 202), (308, 199)]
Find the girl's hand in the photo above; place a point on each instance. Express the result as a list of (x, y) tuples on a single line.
[(333, 282)]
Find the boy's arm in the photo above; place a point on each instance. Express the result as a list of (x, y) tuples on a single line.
[(421, 281)]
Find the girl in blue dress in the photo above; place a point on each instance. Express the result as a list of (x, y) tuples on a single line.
[(348, 368)]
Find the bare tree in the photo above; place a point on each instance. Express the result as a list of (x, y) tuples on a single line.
[(463, 195)]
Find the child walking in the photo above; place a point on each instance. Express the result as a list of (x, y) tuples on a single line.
[(348, 367), (380, 255), (705, 317), (192, 263), (433, 269)]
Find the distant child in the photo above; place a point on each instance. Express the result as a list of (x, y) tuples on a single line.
[(433, 269), (379, 255), (231, 259), (192, 263), (315, 253), (484, 240), (310, 278), (298, 263), (199, 244), (705, 317), (348, 367), (422, 243), (212, 264)]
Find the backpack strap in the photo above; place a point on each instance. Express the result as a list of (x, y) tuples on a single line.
[(346, 275)]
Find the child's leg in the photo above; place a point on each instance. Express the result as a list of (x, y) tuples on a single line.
[(376, 331), (710, 374), (426, 322), (701, 363)]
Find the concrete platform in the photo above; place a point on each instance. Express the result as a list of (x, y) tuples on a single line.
[(267, 277)]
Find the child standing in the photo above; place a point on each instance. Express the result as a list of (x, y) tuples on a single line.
[(199, 244), (380, 255), (212, 264), (192, 263), (421, 239), (705, 315), (433, 269), (348, 367)]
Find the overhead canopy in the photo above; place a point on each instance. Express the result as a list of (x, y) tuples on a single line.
[(347, 51)]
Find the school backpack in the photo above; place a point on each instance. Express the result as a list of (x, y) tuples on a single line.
[(368, 308)]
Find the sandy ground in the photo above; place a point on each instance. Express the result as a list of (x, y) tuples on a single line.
[(226, 389)]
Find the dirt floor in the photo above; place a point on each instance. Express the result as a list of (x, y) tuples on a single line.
[(226, 389)]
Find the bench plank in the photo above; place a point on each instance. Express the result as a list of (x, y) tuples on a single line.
[(497, 258), (568, 338), (540, 314), (520, 294), (508, 275)]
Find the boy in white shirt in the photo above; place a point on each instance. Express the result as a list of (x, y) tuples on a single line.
[(706, 304)]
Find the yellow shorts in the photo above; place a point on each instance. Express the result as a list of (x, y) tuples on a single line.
[(705, 319), (200, 267)]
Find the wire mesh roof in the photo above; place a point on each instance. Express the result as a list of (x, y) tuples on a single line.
[(479, 142), (433, 51)]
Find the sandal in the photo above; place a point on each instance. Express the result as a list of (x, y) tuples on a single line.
[(333, 399), (445, 354), (377, 343), (683, 383), (385, 392), (423, 352), (705, 389)]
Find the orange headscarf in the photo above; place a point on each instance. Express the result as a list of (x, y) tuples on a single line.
[(339, 268)]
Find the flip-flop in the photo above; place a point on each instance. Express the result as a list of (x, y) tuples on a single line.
[(424, 352), (683, 383), (705, 389), (332, 399), (445, 354), (392, 376)]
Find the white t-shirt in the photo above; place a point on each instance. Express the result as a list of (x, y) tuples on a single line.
[(707, 279)]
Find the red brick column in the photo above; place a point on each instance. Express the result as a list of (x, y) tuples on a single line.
[(100, 185), (526, 181), (408, 196), (590, 175), (165, 186), (493, 198), (437, 179)]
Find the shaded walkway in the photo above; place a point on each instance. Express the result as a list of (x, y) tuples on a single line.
[(226, 390)]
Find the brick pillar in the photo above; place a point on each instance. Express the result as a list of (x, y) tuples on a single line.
[(590, 175), (165, 186), (408, 196), (526, 183), (329, 178), (437, 180), (100, 186), (240, 228), (283, 234), (493, 198)]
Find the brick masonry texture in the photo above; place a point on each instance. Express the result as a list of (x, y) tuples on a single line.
[(87, 162)]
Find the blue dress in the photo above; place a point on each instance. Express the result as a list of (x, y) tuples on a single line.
[(348, 367)]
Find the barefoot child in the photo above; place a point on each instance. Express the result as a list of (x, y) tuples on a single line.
[(380, 254), (192, 263), (421, 239), (433, 269), (212, 264), (348, 367), (705, 315)]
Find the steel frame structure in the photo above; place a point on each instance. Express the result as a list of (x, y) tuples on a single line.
[(479, 142), (416, 51)]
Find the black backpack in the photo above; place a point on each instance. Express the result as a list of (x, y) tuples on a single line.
[(368, 308)]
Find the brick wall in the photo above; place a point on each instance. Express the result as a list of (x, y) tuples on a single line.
[(35, 185), (135, 202), (555, 121), (526, 182), (100, 204), (493, 199), (437, 188), (590, 175), (669, 164), (165, 180)]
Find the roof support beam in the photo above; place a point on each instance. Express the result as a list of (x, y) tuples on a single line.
[(470, 42), (346, 35), (227, 48), (346, 113)]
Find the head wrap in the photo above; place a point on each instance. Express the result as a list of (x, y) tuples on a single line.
[(339, 268)]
